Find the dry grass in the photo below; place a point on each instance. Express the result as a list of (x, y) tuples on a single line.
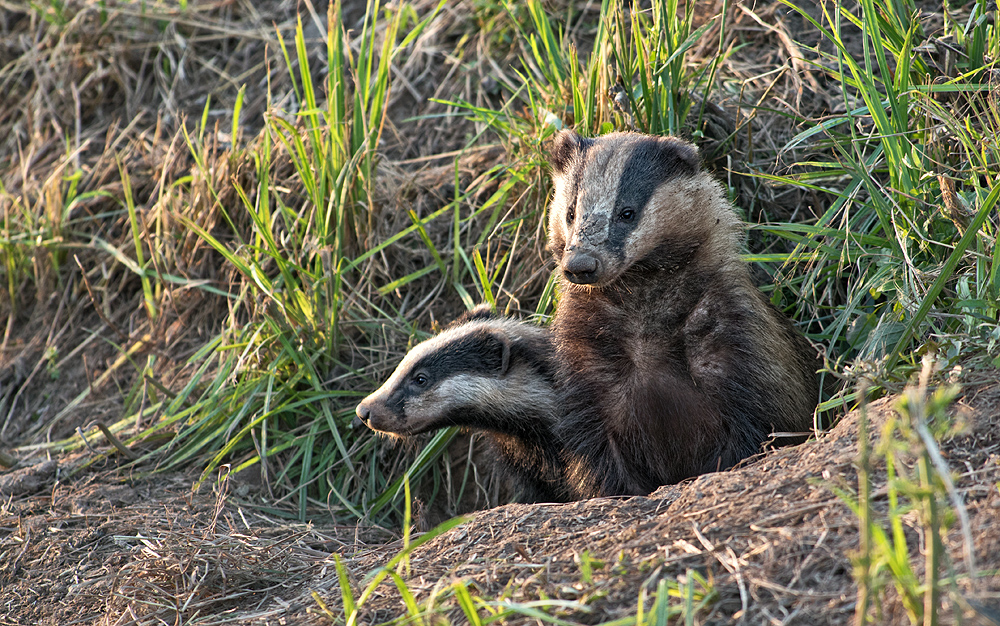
[(107, 551), (91, 91)]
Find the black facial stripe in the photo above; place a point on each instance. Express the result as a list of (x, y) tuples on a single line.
[(652, 163), (576, 178), (477, 352), (397, 401)]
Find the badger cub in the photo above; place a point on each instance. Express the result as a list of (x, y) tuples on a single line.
[(674, 363), (487, 373)]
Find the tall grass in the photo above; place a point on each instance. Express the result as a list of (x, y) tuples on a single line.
[(903, 260), (260, 395), (882, 271), (908, 242)]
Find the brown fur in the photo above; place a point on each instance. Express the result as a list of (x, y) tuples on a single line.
[(674, 363)]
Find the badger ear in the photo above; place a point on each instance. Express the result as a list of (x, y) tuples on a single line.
[(481, 312), (565, 147), (503, 345), (683, 152), (505, 359)]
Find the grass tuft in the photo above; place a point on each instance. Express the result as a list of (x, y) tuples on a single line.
[(923, 487)]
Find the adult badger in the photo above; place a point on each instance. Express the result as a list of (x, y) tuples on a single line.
[(489, 373), (674, 363)]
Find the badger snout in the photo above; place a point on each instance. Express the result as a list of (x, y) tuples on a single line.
[(363, 412), (581, 268), (376, 416)]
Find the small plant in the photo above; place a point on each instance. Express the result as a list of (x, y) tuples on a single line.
[(52, 362), (694, 592), (924, 487), (396, 568), (587, 566)]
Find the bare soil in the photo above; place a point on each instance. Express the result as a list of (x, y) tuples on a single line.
[(771, 537)]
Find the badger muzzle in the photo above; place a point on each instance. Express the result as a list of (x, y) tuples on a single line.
[(376, 415), (581, 268)]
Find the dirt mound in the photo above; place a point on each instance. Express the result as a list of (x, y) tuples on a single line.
[(769, 542), (771, 537)]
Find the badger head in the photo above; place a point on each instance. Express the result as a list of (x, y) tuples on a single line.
[(453, 379), (620, 197)]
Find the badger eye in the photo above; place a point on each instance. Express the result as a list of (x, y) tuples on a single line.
[(626, 215), (419, 380), (570, 214)]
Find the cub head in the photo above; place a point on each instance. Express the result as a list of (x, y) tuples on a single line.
[(443, 380), (620, 197)]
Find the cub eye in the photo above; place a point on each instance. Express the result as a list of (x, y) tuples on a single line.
[(626, 215), (419, 380), (570, 214)]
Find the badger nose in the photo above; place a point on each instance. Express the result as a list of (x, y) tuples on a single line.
[(580, 268), (363, 412)]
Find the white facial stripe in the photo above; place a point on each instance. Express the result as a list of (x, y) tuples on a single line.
[(521, 391), (471, 389), (669, 211), (598, 192), (456, 392), (682, 206)]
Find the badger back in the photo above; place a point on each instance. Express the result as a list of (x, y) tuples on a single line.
[(624, 197)]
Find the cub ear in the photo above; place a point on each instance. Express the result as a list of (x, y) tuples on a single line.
[(505, 355), (501, 343), (682, 153), (566, 146), (480, 312)]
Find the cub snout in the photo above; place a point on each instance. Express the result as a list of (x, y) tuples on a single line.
[(363, 412), (376, 416)]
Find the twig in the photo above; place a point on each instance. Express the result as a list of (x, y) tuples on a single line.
[(113, 440), (93, 300)]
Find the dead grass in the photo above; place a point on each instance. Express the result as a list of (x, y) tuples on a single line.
[(85, 91), (107, 550)]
